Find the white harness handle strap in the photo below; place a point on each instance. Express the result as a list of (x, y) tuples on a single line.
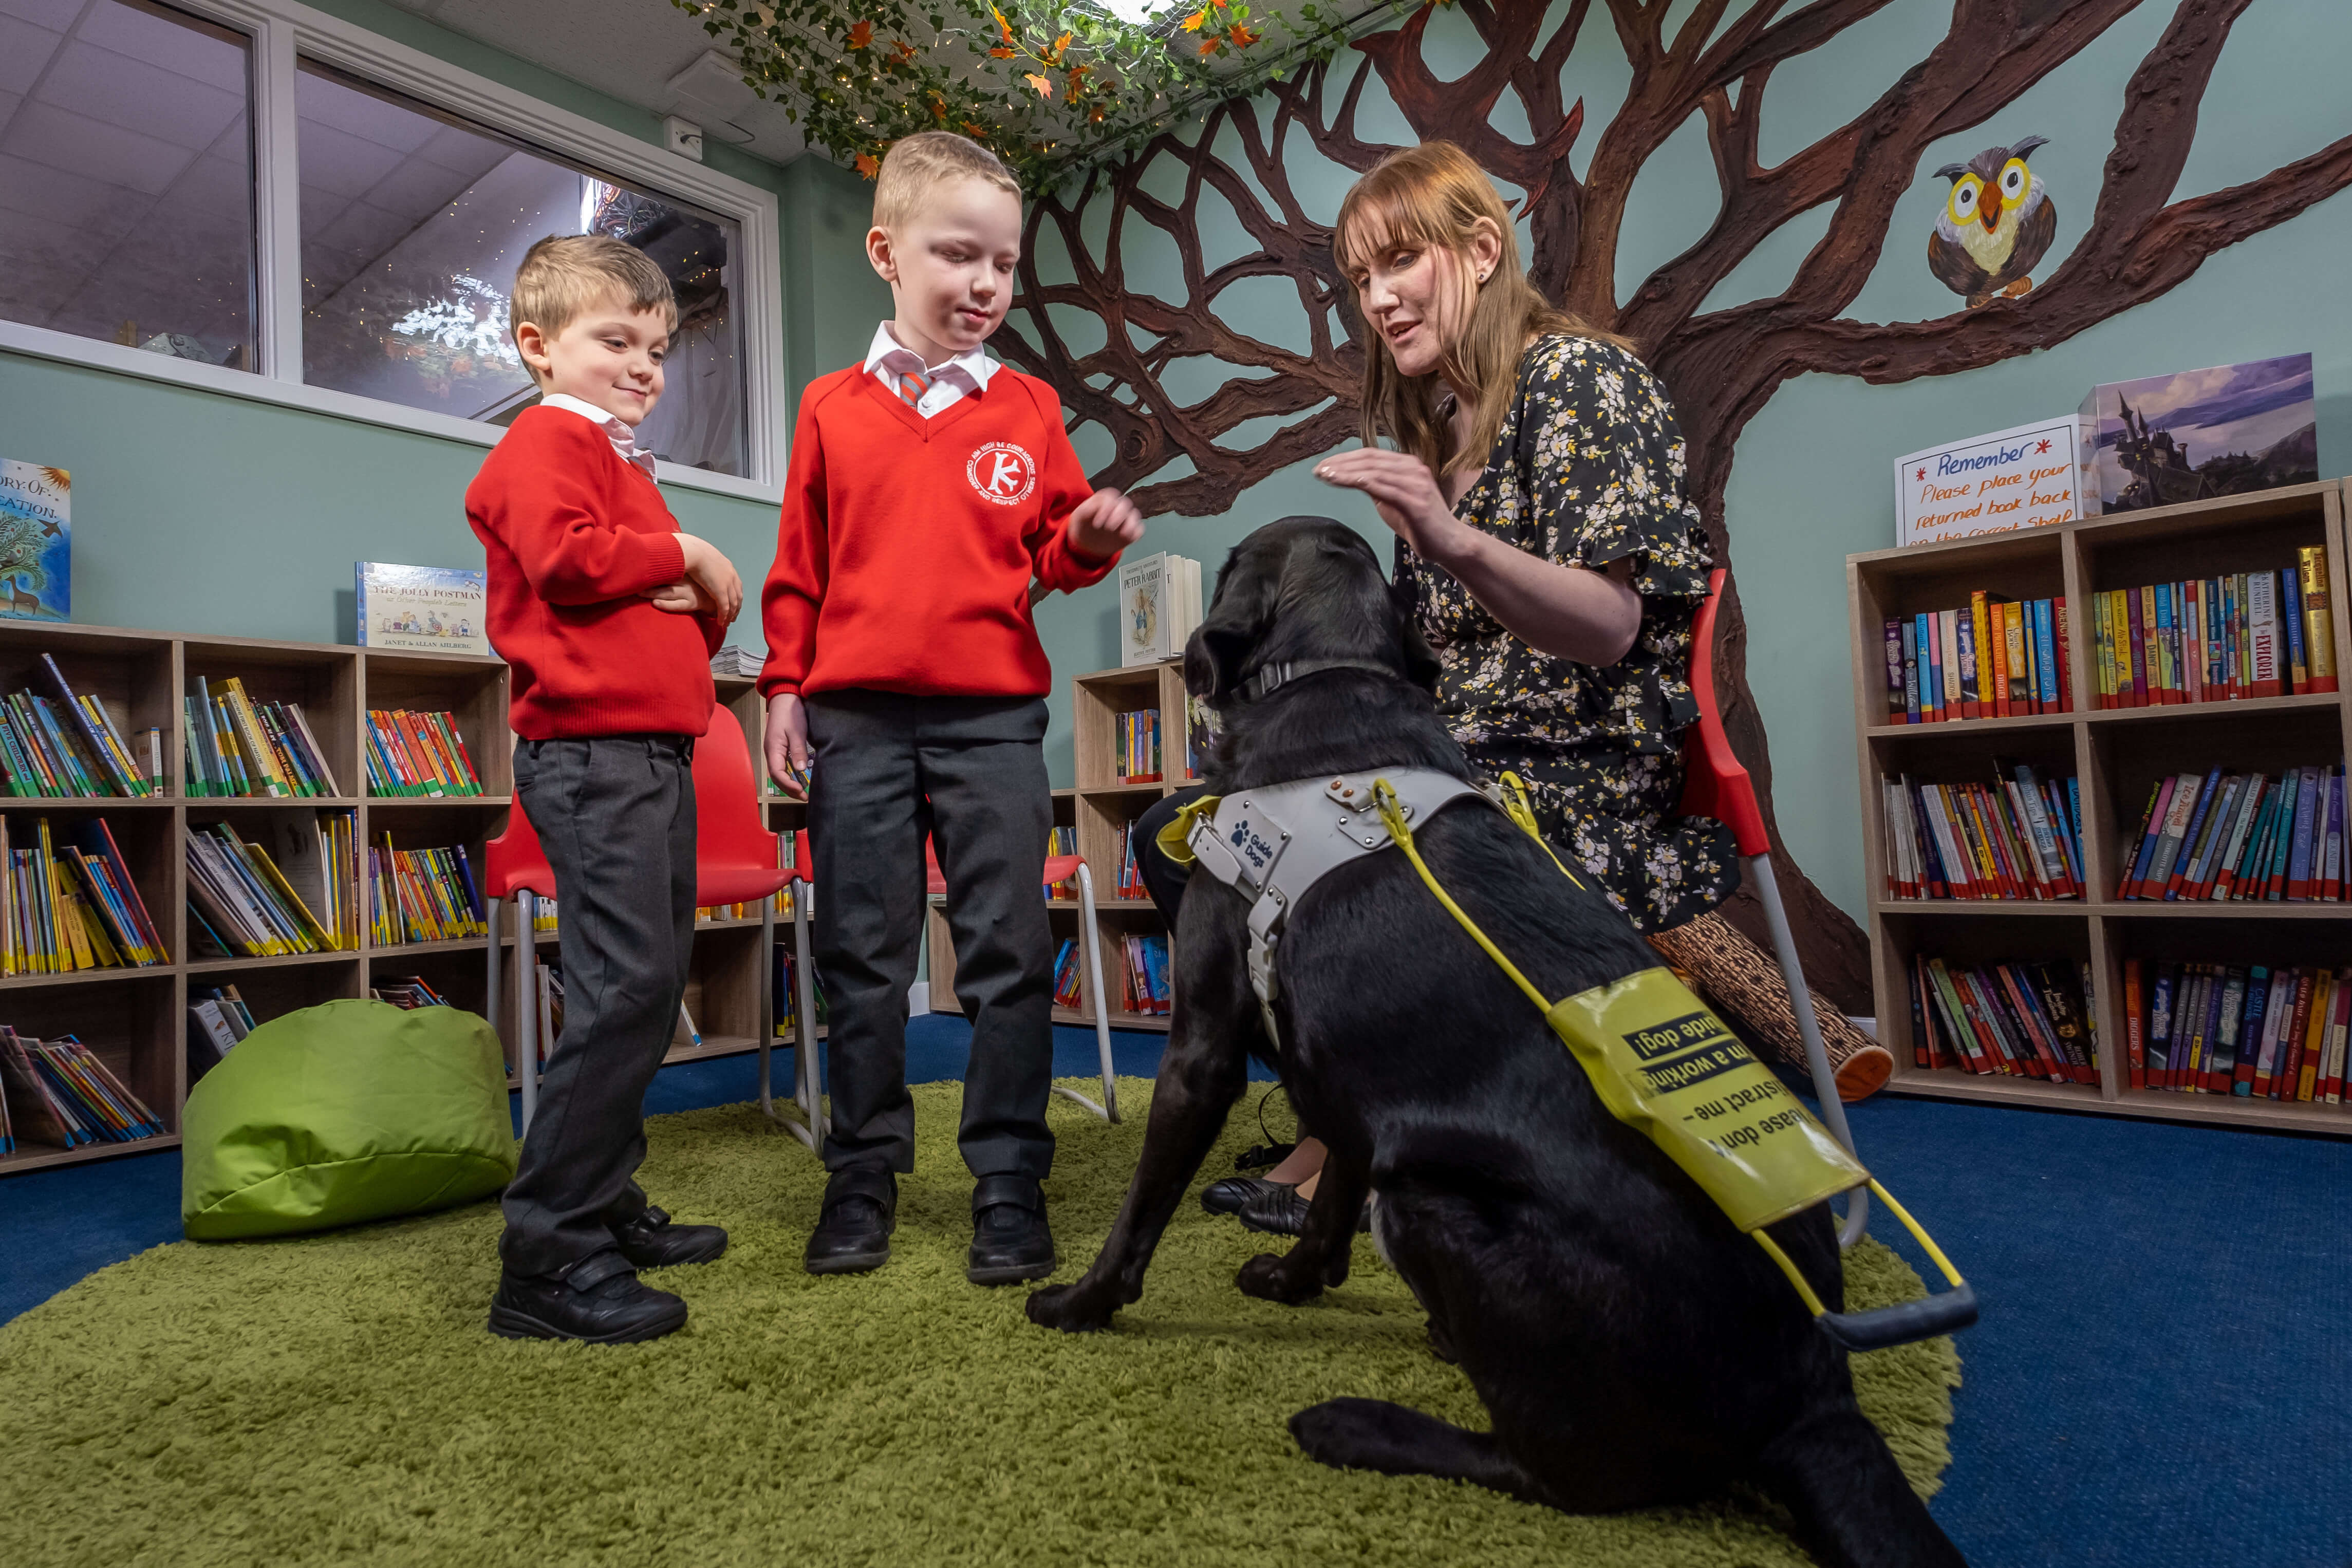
[(1273, 844)]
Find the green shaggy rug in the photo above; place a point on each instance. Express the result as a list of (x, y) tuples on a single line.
[(334, 1399)]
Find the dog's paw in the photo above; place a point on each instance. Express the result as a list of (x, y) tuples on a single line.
[(1331, 1432), (1270, 1277), (1069, 1308)]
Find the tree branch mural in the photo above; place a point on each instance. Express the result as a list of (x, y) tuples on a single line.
[(1722, 366)]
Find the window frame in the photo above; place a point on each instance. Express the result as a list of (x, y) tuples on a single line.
[(281, 32)]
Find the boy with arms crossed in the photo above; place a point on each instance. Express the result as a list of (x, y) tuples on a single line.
[(927, 486)]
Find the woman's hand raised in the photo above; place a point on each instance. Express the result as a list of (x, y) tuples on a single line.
[(1405, 493)]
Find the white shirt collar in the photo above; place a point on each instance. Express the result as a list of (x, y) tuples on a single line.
[(971, 367), (621, 433)]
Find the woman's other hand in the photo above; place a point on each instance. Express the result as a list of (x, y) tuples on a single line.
[(1405, 493)]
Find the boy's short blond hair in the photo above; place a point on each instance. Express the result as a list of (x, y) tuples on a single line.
[(918, 164), (566, 275)]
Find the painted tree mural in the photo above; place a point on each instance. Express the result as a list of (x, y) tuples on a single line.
[(1723, 365)]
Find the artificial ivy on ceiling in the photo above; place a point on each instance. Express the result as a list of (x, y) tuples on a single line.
[(1050, 87)]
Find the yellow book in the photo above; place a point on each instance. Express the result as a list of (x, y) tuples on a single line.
[(313, 934), (261, 758), (1981, 625), (2318, 626), (2315, 1038), (2012, 636)]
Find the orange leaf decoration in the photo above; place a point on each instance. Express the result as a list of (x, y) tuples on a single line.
[(1243, 38), (1061, 43), (1210, 45), (901, 51), (1192, 23), (1000, 54), (1045, 87), (1095, 117), (1077, 71), (861, 34), (868, 164), (977, 132)]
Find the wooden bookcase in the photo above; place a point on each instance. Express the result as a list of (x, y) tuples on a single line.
[(136, 1019), (2115, 753), (1099, 806)]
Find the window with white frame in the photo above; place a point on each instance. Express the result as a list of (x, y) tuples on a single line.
[(153, 160)]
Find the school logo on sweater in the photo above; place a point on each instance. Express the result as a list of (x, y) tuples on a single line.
[(1003, 471)]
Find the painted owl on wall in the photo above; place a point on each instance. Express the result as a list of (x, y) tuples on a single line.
[(1996, 225)]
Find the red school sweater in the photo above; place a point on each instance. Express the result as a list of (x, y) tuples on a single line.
[(906, 544), (574, 536)]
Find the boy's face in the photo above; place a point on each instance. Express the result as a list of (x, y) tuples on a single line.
[(950, 265), (608, 355)]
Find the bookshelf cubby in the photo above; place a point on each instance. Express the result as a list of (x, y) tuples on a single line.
[(135, 1019), (1100, 804), (2116, 754)]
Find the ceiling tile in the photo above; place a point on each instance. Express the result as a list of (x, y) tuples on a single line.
[(24, 50), (186, 50), (418, 190), (361, 114), (43, 133), (32, 195), (138, 96), (55, 15), (335, 159)]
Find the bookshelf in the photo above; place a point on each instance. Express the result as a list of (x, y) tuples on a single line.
[(1099, 805), (2116, 754), (136, 1018)]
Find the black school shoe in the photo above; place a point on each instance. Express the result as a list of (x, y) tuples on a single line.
[(652, 1241), (1011, 1241), (1228, 1194), (853, 1229), (607, 1306), (1278, 1210)]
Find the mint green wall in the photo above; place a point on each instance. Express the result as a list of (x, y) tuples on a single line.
[(198, 512), (1812, 479)]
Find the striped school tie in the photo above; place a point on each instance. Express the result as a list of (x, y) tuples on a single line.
[(912, 384)]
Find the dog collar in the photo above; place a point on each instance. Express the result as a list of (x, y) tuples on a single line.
[(1271, 676)]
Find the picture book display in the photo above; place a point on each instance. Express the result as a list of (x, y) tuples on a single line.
[(2223, 837), (2216, 639), (67, 900), (422, 895), (418, 754), (67, 744), (235, 746), (2251, 1030), (61, 1093), (2019, 1020), (1159, 605), (243, 904), (433, 609), (35, 541), (2018, 836), (1995, 658), (2194, 435), (1135, 739)]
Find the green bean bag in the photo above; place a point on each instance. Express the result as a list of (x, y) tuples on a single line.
[(350, 1111)]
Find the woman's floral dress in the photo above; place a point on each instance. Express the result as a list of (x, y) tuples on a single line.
[(1589, 469)]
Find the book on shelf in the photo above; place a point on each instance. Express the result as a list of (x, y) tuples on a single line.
[(408, 993), (67, 744), (217, 1019), (2019, 1020), (1158, 604), (2217, 639), (785, 977), (237, 746), (2018, 838), (422, 895), (411, 755), (736, 661), (36, 520), (2251, 1031), (1995, 658), (1062, 840), (1144, 983), (2222, 837), (241, 904), (433, 609), (64, 1095), (1129, 883), (70, 902), (1135, 739), (1069, 975)]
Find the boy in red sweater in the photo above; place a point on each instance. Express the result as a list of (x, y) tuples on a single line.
[(927, 486), (607, 616)]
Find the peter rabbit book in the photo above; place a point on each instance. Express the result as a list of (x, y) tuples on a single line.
[(436, 609), (35, 541), (1143, 610)]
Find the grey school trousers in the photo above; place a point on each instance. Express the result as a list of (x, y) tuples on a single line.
[(615, 815), (889, 770)]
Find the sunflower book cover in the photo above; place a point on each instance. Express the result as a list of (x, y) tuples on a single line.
[(434, 609), (35, 541)]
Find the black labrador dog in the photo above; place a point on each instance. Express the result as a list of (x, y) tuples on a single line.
[(1631, 1346)]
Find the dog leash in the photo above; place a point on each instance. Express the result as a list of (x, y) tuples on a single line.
[(1665, 1065)]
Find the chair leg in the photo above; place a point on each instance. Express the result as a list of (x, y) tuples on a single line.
[(527, 1004), (1809, 1029), (1090, 936), (804, 1040), (491, 910)]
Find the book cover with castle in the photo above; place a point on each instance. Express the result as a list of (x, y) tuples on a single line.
[(434, 609), (2221, 431), (35, 541)]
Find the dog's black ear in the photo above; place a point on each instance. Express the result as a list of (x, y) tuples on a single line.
[(1237, 620), (1421, 664)]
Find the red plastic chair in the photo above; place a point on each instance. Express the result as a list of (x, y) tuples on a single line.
[(1061, 869), (1716, 784), (735, 863)]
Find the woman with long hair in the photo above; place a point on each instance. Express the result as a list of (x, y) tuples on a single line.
[(1547, 549)]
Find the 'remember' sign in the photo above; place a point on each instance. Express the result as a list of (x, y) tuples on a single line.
[(2023, 478)]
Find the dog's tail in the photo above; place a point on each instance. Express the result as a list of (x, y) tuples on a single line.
[(1853, 1505)]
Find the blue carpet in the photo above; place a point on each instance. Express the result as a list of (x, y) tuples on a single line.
[(2163, 1376)]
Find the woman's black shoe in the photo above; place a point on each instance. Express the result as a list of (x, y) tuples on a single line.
[(652, 1241), (612, 1309), (853, 1231), (1011, 1241), (1228, 1194), (1277, 1209)]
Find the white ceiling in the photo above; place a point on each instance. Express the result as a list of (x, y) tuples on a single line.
[(627, 49)]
